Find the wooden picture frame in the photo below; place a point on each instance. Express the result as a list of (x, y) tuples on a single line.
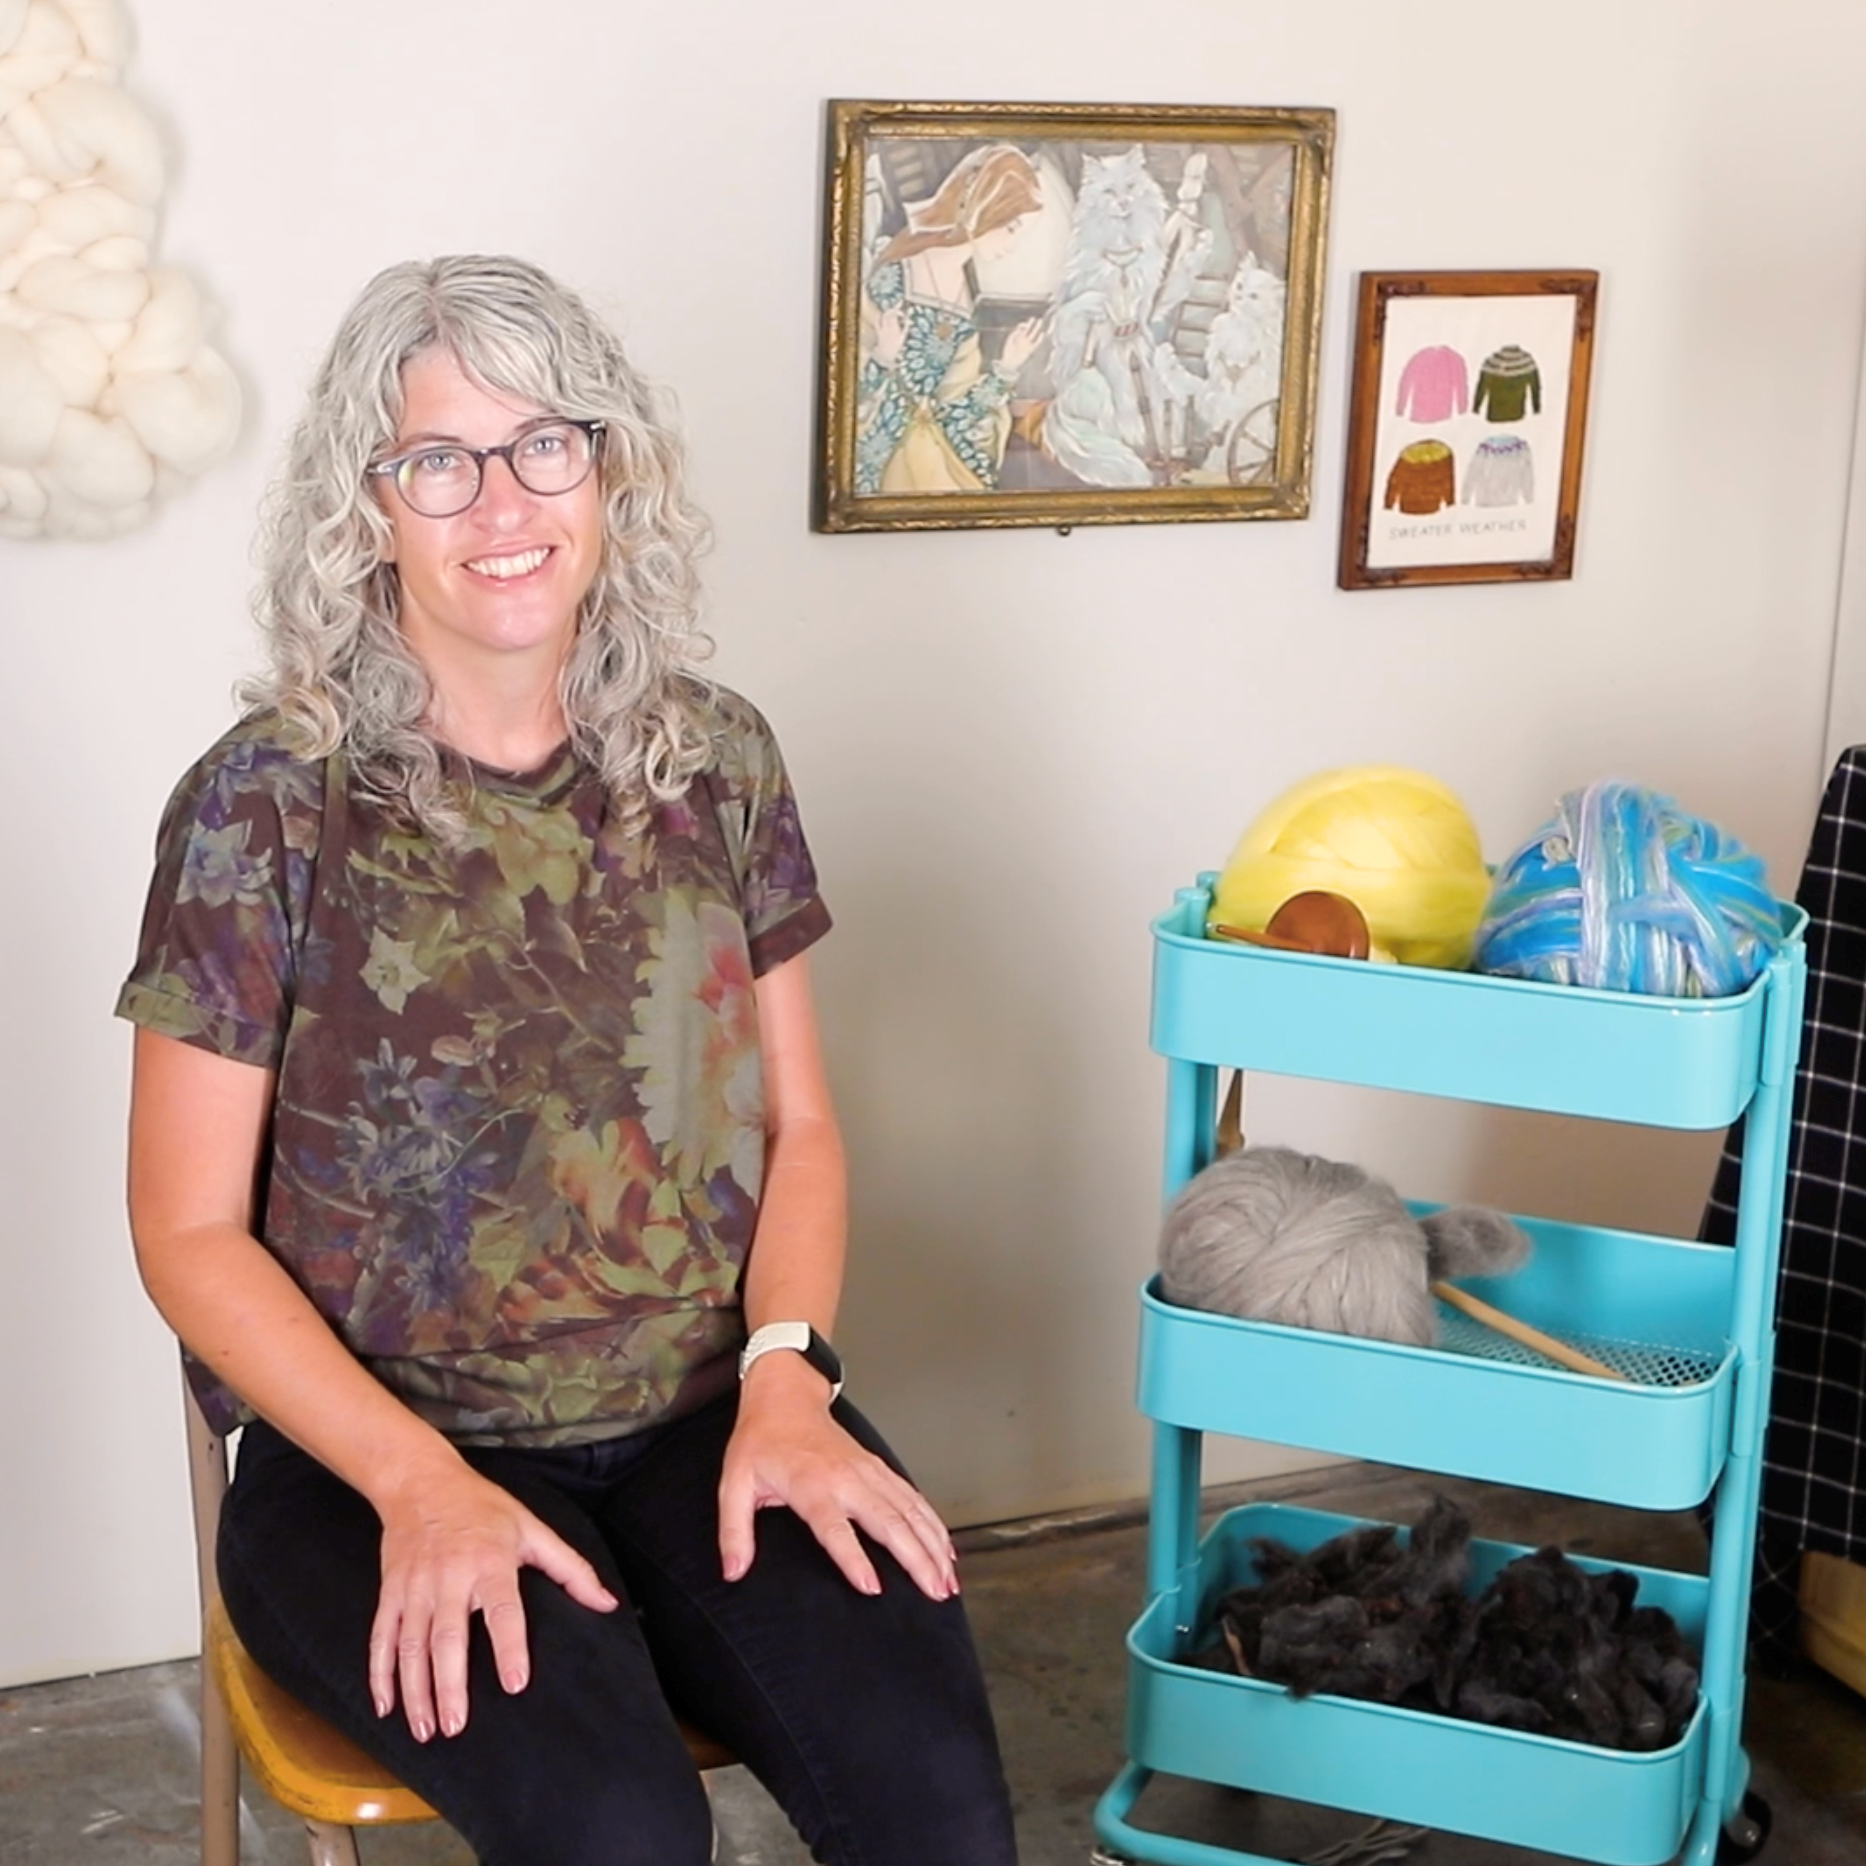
[(1466, 427), (1069, 314)]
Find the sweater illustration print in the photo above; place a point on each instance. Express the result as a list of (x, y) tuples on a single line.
[(1509, 384), (1501, 472), (1423, 479), (1433, 386)]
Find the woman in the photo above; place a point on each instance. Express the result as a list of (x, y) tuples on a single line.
[(475, 1050), (933, 416)]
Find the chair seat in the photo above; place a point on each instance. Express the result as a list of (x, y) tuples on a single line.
[(305, 1765), (312, 1770), (705, 1752)]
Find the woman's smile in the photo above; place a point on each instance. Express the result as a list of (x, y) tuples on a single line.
[(509, 569)]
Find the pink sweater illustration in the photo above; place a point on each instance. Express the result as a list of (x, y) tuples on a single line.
[(1434, 382)]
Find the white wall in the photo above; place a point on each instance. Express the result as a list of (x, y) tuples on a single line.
[(1846, 700), (1010, 747)]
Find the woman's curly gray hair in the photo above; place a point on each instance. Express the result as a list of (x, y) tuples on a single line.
[(341, 674)]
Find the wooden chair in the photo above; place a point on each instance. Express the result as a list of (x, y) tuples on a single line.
[(303, 1764), (1833, 1616)]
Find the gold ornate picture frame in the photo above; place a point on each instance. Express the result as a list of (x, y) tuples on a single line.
[(1069, 314), (1465, 427)]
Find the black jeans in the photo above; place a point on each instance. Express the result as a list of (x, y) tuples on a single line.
[(865, 1717)]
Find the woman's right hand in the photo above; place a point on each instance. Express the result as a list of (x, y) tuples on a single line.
[(890, 336), (452, 1545), (1020, 344)]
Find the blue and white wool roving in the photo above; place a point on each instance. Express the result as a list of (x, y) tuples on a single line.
[(1624, 891)]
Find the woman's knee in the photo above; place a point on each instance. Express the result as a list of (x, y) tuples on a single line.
[(621, 1818), (923, 1786), (585, 1766)]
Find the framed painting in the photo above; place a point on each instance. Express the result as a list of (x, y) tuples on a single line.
[(1069, 314), (1465, 427)]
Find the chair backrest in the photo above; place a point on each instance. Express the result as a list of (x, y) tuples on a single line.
[(207, 1485), (220, 1761)]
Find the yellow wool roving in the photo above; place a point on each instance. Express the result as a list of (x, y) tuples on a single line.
[(1396, 842)]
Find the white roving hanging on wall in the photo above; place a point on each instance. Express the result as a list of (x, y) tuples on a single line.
[(110, 395)]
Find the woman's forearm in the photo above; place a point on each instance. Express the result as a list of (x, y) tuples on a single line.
[(238, 1311), (796, 1265), (452, 1542), (196, 1127), (794, 1273), (786, 1446)]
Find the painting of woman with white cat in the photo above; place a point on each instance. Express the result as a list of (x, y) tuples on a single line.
[(1049, 314)]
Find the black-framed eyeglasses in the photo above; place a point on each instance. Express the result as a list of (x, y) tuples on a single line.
[(443, 478)]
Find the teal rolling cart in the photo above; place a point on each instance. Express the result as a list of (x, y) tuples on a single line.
[(1691, 1325)]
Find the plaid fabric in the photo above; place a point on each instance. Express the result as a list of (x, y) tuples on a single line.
[(1814, 1457)]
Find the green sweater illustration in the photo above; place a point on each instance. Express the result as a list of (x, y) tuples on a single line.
[(1509, 383)]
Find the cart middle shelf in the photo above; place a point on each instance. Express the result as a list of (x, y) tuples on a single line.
[(1476, 1404)]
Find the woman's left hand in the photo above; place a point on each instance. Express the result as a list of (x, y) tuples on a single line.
[(787, 1450)]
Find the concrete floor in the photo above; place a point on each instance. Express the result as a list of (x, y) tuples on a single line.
[(98, 1771)]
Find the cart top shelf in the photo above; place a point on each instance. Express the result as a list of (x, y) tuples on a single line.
[(1659, 1062)]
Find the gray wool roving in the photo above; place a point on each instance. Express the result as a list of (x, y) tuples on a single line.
[(1273, 1235), (1472, 1240)]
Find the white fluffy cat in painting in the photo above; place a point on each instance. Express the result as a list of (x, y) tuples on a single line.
[(1244, 361), (1116, 382)]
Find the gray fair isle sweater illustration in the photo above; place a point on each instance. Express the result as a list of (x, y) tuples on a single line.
[(1501, 472), (1508, 383)]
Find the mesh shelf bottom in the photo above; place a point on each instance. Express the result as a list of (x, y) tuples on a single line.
[(1642, 1363)]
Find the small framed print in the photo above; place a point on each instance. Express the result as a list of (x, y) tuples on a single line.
[(1069, 314), (1466, 425)]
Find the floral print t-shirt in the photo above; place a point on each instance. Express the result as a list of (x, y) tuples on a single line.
[(517, 1139)]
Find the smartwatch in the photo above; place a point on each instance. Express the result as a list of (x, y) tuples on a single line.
[(800, 1338)]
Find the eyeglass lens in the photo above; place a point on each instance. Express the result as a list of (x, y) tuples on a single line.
[(441, 481)]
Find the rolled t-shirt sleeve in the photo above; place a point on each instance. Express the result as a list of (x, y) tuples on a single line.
[(222, 933), (783, 911)]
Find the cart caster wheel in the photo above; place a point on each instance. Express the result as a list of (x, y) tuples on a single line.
[(1745, 1836)]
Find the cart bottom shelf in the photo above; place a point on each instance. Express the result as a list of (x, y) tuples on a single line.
[(1618, 1807)]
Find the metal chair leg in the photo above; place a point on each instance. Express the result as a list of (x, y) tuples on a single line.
[(331, 1846), (220, 1781)]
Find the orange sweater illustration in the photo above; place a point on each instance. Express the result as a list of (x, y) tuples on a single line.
[(1423, 479)]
